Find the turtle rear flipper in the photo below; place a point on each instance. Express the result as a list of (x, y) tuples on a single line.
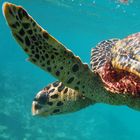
[(46, 52)]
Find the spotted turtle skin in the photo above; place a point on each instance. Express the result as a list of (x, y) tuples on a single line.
[(79, 85)]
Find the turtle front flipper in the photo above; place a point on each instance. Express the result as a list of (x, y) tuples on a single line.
[(50, 55), (58, 99), (46, 52)]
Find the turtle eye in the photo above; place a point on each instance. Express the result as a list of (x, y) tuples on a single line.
[(42, 99)]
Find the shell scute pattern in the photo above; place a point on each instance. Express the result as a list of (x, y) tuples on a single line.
[(101, 54), (126, 54)]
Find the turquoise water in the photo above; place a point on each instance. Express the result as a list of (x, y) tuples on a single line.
[(79, 25)]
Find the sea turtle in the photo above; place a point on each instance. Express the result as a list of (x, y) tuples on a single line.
[(114, 77)]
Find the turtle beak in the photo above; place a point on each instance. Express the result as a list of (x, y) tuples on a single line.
[(34, 111), (39, 103)]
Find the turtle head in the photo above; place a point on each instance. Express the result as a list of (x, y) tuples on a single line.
[(58, 99), (47, 103)]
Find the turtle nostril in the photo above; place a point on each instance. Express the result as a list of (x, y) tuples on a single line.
[(37, 106), (35, 99)]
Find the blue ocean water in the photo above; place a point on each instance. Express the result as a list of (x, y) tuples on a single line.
[(80, 25)]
